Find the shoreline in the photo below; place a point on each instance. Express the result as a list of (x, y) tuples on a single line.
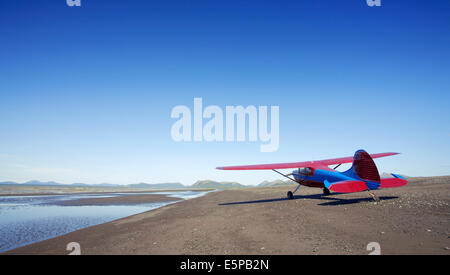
[(118, 200), (103, 192), (106, 190), (106, 208), (408, 220)]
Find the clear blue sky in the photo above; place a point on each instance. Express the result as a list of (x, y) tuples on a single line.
[(86, 92)]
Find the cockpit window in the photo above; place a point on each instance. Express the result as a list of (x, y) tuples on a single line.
[(305, 171)]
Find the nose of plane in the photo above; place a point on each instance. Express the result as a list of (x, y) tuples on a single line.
[(296, 175)]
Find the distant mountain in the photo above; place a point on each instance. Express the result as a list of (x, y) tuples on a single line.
[(216, 184), (174, 185), (8, 183), (79, 184), (36, 182), (94, 185), (210, 184), (171, 185), (138, 185), (274, 183), (105, 185)]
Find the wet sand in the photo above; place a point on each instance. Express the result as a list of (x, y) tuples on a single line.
[(411, 220)]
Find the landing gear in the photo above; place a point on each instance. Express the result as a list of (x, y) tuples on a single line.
[(326, 191), (290, 195), (375, 197)]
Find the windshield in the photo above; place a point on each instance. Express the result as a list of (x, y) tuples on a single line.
[(305, 171)]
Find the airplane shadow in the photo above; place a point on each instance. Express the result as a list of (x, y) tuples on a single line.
[(335, 201)]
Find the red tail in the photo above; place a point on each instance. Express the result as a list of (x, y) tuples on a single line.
[(364, 167)]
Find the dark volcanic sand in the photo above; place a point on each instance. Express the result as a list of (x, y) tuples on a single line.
[(409, 220)]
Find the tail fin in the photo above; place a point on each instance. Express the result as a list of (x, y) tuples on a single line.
[(364, 168)]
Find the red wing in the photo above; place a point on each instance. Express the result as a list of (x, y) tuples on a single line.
[(315, 164)]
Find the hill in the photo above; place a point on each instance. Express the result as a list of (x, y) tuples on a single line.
[(274, 183), (137, 185), (216, 184), (175, 185)]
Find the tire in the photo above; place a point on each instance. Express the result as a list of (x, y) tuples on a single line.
[(326, 191), (290, 195)]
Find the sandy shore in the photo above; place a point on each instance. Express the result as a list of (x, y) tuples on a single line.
[(409, 220)]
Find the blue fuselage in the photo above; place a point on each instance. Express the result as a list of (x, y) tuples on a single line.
[(319, 176)]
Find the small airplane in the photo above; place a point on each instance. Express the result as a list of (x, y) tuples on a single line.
[(362, 176)]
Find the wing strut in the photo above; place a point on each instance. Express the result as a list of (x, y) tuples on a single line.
[(290, 195), (286, 176)]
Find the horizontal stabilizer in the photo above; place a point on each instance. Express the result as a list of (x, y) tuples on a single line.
[(347, 186), (397, 181)]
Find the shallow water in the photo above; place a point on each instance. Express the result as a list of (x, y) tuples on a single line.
[(29, 219)]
